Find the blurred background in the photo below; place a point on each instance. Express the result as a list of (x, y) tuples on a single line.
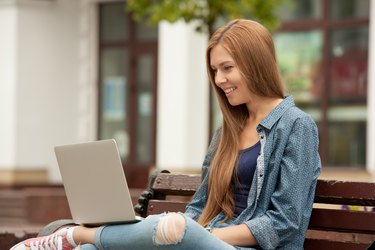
[(83, 70)]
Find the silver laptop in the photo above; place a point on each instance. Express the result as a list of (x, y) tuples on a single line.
[(95, 183)]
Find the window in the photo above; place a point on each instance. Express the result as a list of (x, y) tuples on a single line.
[(322, 48)]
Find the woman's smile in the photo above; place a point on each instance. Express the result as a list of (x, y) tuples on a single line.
[(227, 91)]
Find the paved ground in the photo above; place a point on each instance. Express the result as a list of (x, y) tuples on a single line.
[(20, 229)]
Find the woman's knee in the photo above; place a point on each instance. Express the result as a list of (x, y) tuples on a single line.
[(170, 229)]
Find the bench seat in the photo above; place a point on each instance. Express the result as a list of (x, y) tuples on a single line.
[(331, 226)]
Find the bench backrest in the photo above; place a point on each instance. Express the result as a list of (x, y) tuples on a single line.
[(331, 225), (177, 190)]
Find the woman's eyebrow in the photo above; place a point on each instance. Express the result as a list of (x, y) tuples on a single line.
[(225, 62), (221, 64)]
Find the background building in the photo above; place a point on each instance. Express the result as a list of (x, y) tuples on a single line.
[(82, 70)]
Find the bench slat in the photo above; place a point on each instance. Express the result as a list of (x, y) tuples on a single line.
[(343, 220), (176, 184), (313, 244), (345, 192), (161, 206), (340, 236)]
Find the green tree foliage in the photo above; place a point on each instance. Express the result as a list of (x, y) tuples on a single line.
[(206, 13)]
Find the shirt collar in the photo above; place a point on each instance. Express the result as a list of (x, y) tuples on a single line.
[(277, 112)]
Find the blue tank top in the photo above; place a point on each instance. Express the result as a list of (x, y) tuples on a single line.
[(246, 165)]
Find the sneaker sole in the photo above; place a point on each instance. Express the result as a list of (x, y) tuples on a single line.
[(18, 247), (54, 226)]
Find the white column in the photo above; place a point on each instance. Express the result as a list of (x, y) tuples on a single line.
[(8, 85), (48, 80), (370, 161), (88, 67), (183, 99)]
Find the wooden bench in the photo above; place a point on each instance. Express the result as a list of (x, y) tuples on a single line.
[(331, 226)]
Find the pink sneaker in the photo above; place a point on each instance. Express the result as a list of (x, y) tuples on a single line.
[(55, 241)]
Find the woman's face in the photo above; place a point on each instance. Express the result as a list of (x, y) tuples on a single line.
[(228, 77)]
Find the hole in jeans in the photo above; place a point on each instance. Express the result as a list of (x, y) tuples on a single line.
[(170, 229)]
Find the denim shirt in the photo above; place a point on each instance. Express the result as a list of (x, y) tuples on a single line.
[(281, 196)]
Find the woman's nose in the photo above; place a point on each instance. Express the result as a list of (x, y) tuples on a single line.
[(220, 78)]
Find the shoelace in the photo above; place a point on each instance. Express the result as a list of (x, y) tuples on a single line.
[(54, 242)]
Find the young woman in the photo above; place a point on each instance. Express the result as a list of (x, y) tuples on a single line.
[(259, 175)]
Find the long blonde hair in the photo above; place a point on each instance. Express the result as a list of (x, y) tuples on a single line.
[(252, 48)]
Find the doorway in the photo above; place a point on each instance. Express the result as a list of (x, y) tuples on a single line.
[(127, 89)]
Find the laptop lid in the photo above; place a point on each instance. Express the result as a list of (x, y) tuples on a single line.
[(95, 183)]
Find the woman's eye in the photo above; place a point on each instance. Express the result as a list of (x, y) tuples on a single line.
[(228, 68)]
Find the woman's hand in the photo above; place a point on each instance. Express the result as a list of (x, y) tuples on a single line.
[(239, 235)]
